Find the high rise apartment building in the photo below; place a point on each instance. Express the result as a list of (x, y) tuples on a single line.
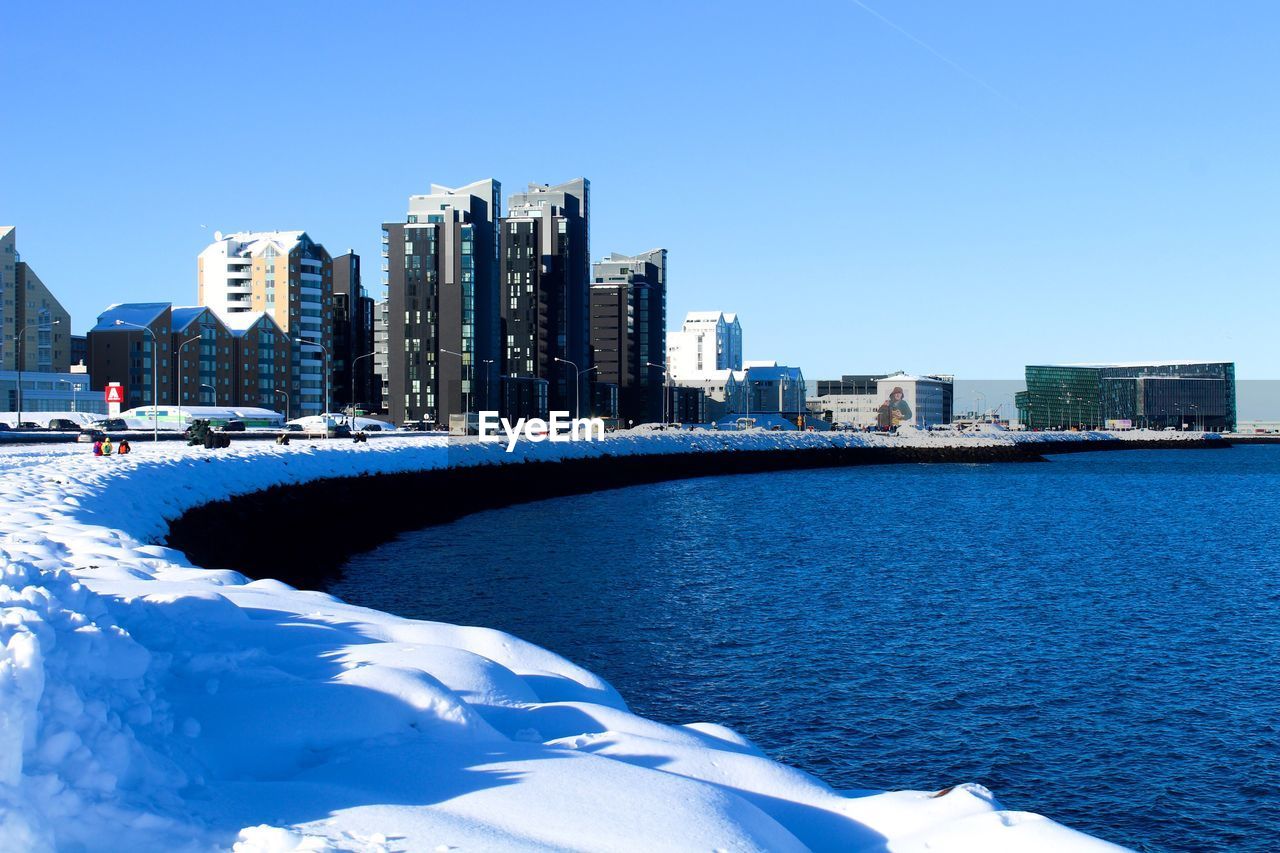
[(628, 331), (546, 276), (443, 354), (352, 338), (288, 276)]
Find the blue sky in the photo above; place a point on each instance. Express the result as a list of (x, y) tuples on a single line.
[(964, 187)]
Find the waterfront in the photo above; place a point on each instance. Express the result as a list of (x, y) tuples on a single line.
[(1092, 637)]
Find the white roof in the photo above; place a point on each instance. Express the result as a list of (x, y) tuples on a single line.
[(254, 243)]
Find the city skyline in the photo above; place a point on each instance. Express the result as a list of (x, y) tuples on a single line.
[(994, 200)]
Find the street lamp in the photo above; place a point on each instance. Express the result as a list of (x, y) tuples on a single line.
[(177, 386), (488, 390), (351, 404), (577, 411), (21, 337), (286, 402), (155, 377), (466, 394), (324, 369), (75, 386), (584, 373), (666, 392)]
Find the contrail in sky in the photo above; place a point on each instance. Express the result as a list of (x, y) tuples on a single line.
[(922, 43)]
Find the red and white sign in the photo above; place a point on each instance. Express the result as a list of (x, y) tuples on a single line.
[(115, 393)]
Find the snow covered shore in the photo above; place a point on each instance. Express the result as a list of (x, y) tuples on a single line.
[(148, 704)]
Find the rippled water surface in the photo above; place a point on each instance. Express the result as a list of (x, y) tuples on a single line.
[(1096, 638)]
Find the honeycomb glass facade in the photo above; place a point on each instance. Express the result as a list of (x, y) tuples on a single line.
[(1192, 395)]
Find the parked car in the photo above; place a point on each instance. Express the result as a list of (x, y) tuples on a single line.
[(4, 427), (89, 436), (63, 425), (371, 428), (339, 431), (29, 425), (293, 428), (113, 424), (232, 426)]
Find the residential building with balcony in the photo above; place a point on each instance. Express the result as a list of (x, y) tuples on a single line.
[(629, 330), (546, 276), (443, 356), (290, 277)]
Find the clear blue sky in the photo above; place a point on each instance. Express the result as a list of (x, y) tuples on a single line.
[(964, 187)]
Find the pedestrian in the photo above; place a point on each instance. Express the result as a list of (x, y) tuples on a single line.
[(106, 446), (97, 447), (282, 438), (124, 447)]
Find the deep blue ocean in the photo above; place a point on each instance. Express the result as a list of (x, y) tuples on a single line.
[(1095, 638)]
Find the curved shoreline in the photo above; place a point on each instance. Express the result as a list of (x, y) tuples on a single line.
[(367, 511), (160, 704)]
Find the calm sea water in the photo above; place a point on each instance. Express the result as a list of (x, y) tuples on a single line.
[(1096, 638)]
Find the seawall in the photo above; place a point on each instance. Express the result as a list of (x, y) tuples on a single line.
[(342, 516)]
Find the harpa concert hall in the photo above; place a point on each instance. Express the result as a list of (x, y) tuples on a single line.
[(1183, 395)]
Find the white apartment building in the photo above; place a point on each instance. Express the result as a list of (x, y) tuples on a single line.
[(708, 341), (288, 276)]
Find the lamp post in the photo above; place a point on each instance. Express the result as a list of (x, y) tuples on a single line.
[(22, 337), (351, 404), (466, 394), (591, 369), (286, 402), (177, 386), (665, 389), (324, 370), (155, 377), (75, 386), (488, 391), (576, 374)]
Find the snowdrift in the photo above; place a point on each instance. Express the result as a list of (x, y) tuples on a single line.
[(148, 704)]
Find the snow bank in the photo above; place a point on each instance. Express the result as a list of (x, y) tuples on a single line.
[(147, 704)]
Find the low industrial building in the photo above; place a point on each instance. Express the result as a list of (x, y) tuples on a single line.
[(1150, 395)]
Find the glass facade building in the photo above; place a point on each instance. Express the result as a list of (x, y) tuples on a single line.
[(1192, 395)]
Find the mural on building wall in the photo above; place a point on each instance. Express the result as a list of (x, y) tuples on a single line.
[(896, 409)]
